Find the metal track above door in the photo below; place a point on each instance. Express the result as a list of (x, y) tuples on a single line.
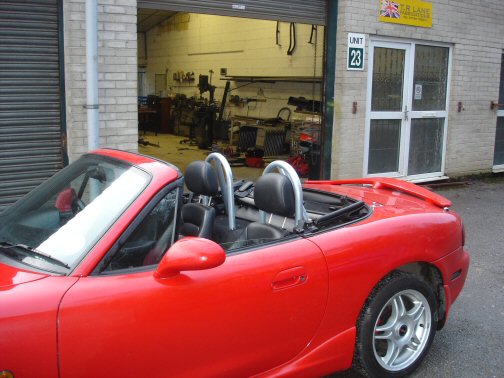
[(308, 12)]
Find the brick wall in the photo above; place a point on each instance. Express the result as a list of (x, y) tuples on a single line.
[(117, 59), (476, 34)]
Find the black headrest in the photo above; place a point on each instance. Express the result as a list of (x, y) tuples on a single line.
[(274, 193), (200, 178)]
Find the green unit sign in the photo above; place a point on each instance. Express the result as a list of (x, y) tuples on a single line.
[(356, 47)]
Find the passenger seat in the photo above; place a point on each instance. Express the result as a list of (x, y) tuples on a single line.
[(197, 218)]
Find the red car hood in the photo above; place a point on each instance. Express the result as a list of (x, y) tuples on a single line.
[(10, 276)]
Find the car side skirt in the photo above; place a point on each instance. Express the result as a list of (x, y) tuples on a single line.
[(335, 354)]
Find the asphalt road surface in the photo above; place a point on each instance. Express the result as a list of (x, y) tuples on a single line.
[(472, 342)]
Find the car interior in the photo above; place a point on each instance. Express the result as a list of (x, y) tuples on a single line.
[(272, 208), (238, 215)]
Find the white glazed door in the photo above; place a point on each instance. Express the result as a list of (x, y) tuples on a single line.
[(406, 120)]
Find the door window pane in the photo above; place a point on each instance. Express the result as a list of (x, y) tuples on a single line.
[(499, 142), (426, 146), (499, 132), (388, 74), (430, 78), (501, 88), (148, 243), (384, 143)]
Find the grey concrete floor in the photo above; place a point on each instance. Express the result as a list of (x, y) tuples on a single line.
[(472, 342), (179, 154)]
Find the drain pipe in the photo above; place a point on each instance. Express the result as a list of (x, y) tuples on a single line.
[(92, 74)]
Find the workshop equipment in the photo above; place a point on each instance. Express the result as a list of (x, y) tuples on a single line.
[(303, 104)]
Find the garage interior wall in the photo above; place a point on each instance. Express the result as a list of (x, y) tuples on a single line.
[(476, 37), (117, 74), (198, 43)]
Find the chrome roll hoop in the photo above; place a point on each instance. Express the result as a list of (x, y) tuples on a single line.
[(225, 178)]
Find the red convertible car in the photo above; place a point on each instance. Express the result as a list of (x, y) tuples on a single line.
[(108, 269)]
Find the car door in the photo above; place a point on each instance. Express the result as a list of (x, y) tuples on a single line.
[(257, 310)]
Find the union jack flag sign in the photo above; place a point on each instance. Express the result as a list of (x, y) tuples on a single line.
[(389, 9)]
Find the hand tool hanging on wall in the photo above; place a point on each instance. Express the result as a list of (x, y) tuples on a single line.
[(211, 73), (278, 34), (242, 101), (292, 39), (313, 34)]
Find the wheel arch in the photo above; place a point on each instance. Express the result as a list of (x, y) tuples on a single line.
[(430, 274)]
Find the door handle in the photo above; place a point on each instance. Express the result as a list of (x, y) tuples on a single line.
[(406, 112), (290, 277)]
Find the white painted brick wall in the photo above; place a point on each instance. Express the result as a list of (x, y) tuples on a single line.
[(117, 74), (476, 33)]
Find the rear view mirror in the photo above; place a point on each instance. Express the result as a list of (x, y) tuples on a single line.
[(190, 253), (97, 173)]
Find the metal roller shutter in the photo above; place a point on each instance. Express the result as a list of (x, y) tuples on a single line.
[(30, 96), (309, 12)]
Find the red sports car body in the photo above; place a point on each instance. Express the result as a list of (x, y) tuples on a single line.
[(255, 281)]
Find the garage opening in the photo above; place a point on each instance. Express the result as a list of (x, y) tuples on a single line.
[(248, 87)]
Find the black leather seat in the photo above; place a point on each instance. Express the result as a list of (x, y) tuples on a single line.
[(198, 219), (274, 194)]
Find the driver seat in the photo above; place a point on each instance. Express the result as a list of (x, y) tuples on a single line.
[(273, 194), (197, 218)]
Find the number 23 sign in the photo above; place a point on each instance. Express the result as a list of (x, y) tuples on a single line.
[(355, 56)]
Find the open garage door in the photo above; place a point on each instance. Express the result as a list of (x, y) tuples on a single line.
[(244, 79), (308, 12), (30, 96)]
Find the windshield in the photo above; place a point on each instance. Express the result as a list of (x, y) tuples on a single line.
[(63, 218)]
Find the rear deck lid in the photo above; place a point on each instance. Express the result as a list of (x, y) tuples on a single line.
[(392, 184)]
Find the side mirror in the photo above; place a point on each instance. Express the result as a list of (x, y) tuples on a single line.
[(190, 253)]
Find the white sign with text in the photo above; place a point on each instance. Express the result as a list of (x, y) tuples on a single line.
[(355, 55)]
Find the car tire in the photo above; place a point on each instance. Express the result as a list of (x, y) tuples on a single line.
[(396, 327)]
